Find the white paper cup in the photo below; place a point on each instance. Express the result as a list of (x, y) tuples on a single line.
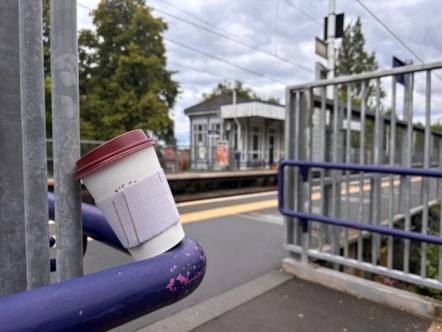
[(115, 166)]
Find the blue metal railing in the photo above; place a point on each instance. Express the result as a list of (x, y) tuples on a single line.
[(106, 299), (303, 217), (94, 224)]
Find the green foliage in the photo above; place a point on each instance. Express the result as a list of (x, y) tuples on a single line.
[(353, 59), (227, 87), (186, 165), (432, 259), (47, 67), (242, 92), (274, 100), (123, 80), (437, 126), (355, 137)]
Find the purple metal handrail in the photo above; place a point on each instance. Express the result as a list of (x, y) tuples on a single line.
[(305, 217), (106, 299), (94, 224)]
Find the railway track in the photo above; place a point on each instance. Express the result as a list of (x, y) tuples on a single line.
[(190, 186)]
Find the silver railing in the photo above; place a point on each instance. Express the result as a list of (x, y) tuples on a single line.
[(24, 249), (386, 126), (75, 302), (174, 159)]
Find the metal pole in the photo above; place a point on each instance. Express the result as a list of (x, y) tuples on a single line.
[(289, 153), (66, 138), (238, 131), (331, 27), (34, 143), (12, 229)]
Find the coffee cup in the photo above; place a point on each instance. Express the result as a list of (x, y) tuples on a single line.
[(126, 180)]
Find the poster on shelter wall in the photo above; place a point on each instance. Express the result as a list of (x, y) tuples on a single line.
[(222, 153), (202, 153)]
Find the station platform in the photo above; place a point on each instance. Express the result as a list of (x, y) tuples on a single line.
[(278, 301), (269, 292)]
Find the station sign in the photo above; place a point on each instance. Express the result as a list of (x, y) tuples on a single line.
[(213, 133), (320, 47)]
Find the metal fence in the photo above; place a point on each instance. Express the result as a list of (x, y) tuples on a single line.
[(99, 301), (173, 159), (360, 178)]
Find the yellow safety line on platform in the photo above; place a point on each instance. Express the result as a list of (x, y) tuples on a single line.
[(226, 198), (226, 211), (248, 207)]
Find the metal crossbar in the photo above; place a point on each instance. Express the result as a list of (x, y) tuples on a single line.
[(304, 217), (368, 159)]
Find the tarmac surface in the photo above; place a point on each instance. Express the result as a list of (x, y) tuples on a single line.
[(245, 289), (281, 302), (297, 305)]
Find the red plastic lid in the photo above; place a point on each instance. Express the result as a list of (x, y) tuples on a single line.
[(110, 151)]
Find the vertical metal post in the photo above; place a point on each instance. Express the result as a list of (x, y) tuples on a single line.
[(425, 180), (391, 188), (376, 191), (289, 176), (306, 154), (323, 203), (66, 137), (407, 149), (363, 120), (337, 150), (331, 45), (12, 229), (299, 136), (34, 143), (348, 149)]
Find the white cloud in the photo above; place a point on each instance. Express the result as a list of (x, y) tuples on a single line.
[(273, 38)]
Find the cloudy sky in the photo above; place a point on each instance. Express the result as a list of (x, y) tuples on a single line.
[(269, 44)]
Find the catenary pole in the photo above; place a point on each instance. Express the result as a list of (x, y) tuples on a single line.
[(331, 28)]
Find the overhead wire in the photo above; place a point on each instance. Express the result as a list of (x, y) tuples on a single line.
[(194, 17), (311, 18), (212, 74), (395, 36), (390, 31), (230, 36), (196, 69), (212, 56), (225, 61), (236, 40)]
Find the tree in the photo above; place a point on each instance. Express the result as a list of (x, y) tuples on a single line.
[(353, 59), (226, 87), (437, 126), (123, 80), (47, 67)]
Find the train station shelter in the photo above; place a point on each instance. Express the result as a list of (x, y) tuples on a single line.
[(235, 134)]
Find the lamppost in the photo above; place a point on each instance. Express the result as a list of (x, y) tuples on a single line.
[(227, 125)]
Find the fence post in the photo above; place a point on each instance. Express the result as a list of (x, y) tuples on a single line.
[(12, 232), (66, 138), (34, 143), (292, 109)]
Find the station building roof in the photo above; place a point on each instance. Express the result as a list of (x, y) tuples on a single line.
[(223, 106), (253, 109)]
